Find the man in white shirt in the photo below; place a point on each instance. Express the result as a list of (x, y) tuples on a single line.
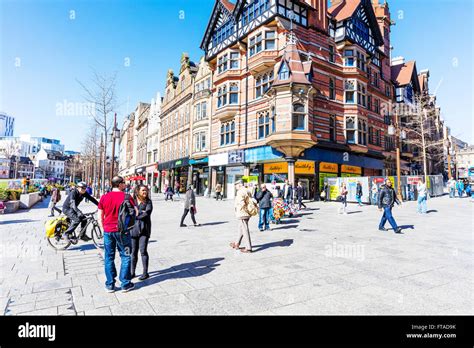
[(422, 195)]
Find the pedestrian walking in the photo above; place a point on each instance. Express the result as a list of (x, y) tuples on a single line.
[(452, 188), (55, 198), (300, 194), (28, 182), (189, 206), (387, 198), (169, 193), (359, 193), (264, 199), (460, 188), (375, 192), (422, 196), (141, 231), (288, 195), (218, 192), (244, 208), (177, 187), (324, 193), (23, 185), (343, 198), (108, 218)]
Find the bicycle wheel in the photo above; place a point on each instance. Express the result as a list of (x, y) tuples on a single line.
[(57, 241), (97, 237)]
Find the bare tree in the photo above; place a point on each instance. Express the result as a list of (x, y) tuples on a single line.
[(89, 155), (421, 122), (101, 99)]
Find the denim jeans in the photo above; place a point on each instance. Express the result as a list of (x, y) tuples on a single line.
[(264, 218), (387, 215), (452, 192), (359, 199), (421, 204), (459, 193), (374, 198), (112, 241)]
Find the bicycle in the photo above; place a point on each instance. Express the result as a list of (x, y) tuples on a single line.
[(59, 242)]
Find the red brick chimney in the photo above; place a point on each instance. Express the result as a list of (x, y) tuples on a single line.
[(319, 18)]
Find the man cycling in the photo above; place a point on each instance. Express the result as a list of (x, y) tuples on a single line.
[(71, 210)]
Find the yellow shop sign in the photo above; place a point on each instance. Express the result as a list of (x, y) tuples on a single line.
[(304, 167), (275, 168), (325, 167), (351, 169)]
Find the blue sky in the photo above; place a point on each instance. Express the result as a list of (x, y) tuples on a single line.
[(44, 51)]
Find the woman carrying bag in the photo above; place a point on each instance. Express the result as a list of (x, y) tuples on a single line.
[(141, 231)]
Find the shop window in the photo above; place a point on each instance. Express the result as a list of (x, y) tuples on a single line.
[(299, 117)]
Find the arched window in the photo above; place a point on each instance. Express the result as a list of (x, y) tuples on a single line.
[(299, 117), (332, 89)]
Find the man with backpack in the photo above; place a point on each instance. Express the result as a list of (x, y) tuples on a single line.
[(116, 217)]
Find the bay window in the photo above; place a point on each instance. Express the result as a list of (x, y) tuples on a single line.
[(350, 91), (263, 83), (200, 141), (350, 129), (298, 117), (263, 124)]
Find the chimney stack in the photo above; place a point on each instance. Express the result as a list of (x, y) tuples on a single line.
[(398, 60)]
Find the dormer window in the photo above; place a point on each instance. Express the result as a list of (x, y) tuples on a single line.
[(284, 73)]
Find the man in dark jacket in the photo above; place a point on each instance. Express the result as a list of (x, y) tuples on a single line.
[(264, 199), (300, 193), (387, 198), (359, 193), (71, 208), (288, 192)]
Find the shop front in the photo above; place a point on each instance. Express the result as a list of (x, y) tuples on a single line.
[(200, 175), (350, 171), (276, 173), (152, 175), (173, 172), (327, 170), (227, 168)]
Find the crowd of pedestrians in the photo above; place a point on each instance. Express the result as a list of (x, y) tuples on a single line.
[(133, 204)]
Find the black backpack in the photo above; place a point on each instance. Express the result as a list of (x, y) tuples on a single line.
[(126, 216)]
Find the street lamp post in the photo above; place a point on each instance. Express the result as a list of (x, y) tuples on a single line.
[(399, 134), (113, 136)]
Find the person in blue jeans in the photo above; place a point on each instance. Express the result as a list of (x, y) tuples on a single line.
[(264, 199), (422, 195), (109, 205), (387, 198)]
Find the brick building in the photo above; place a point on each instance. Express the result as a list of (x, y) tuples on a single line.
[(299, 90)]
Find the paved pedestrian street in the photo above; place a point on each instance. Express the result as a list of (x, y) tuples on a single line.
[(317, 262)]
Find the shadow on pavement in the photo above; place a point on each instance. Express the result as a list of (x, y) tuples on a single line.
[(405, 227), (284, 227), (214, 223), (84, 247), (283, 243), (184, 270), (431, 211), (17, 221), (354, 212)]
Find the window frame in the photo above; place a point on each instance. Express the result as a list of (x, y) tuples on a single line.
[(298, 115)]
